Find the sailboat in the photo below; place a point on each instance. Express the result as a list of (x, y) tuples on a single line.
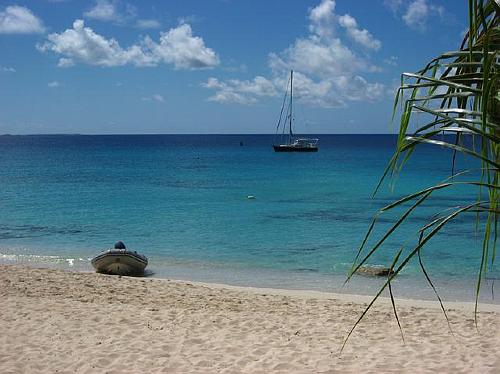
[(289, 143)]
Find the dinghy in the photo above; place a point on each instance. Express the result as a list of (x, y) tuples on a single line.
[(120, 261)]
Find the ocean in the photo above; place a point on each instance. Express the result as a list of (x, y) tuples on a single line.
[(182, 200)]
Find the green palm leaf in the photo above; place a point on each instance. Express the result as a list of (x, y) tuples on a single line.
[(459, 93)]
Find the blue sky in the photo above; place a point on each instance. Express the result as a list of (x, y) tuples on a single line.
[(212, 66)]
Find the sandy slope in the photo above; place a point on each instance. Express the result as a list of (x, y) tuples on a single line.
[(57, 321)]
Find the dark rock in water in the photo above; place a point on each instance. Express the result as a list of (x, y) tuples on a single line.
[(374, 271), (119, 245)]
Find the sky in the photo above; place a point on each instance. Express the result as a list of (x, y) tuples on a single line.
[(213, 66)]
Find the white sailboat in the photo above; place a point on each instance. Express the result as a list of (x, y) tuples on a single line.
[(291, 143)]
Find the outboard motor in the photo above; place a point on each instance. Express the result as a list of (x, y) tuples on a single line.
[(120, 245)]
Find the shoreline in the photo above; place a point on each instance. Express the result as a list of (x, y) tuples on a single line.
[(345, 297), (353, 297), (86, 322), (460, 291)]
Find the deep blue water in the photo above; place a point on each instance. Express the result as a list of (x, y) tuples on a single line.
[(182, 200)]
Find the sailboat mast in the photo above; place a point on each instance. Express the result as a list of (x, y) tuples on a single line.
[(291, 104)]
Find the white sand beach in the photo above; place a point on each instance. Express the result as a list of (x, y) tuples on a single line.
[(66, 322)]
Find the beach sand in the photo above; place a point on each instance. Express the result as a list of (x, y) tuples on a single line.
[(65, 322)]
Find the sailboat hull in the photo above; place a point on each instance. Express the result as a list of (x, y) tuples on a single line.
[(292, 148)]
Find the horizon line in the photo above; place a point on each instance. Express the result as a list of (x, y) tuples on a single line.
[(184, 134)]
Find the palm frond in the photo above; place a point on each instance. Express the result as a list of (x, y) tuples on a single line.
[(458, 93)]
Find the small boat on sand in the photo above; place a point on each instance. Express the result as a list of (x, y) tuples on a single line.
[(120, 261)]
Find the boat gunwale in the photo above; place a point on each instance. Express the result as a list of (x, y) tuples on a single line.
[(133, 255)]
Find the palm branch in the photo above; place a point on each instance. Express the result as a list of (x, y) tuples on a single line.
[(458, 92)]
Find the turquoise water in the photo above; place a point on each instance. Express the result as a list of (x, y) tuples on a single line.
[(182, 201)]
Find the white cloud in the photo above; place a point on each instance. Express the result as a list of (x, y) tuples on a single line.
[(322, 18), (313, 57), (415, 13), (64, 62), (234, 67), (16, 19), (228, 96), (393, 5), (321, 54), (82, 44), (7, 69), (260, 86), (189, 19), (110, 10), (356, 88), (320, 93), (392, 61), (240, 92), (439, 10), (53, 84), (226, 93), (103, 10), (323, 21), (158, 98), (148, 24), (361, 36), (327, 71), (178, 46)]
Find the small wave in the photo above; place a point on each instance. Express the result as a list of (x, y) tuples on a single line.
[(28, 257), (41, 259)]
